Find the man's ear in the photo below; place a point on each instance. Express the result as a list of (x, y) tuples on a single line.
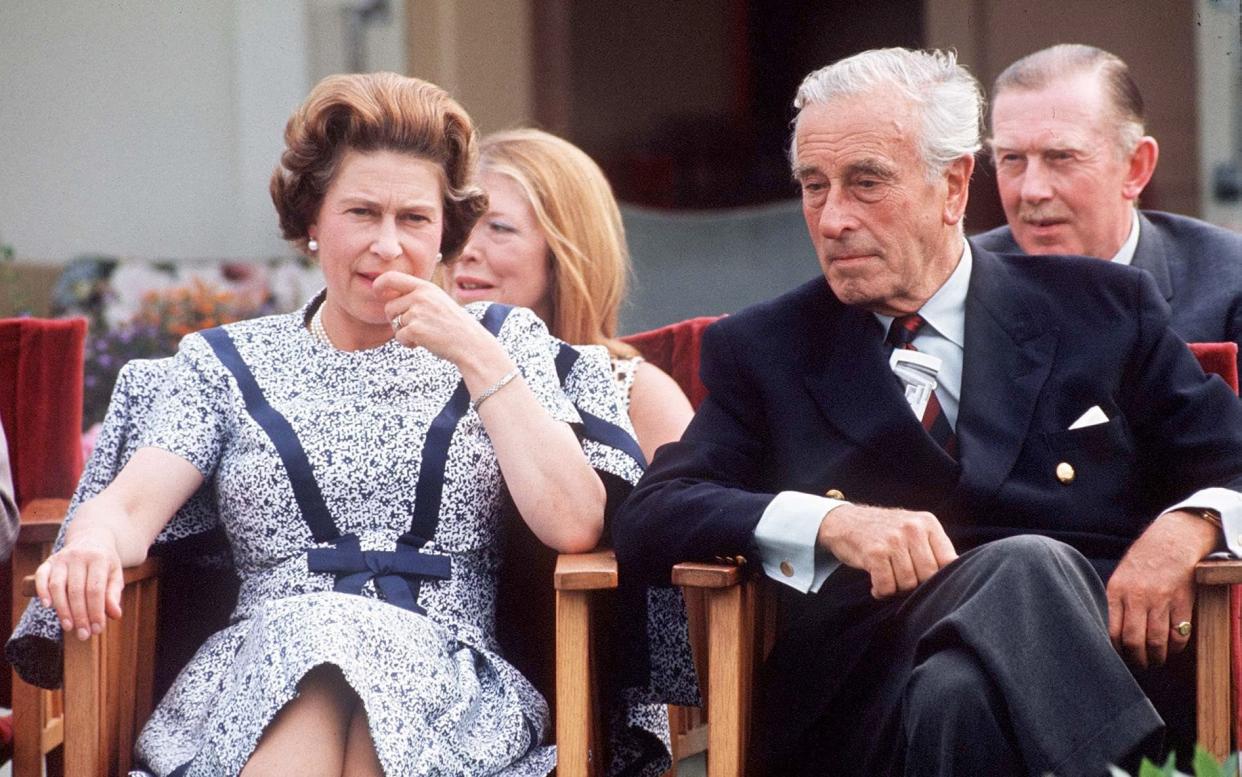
[(1142, 164), (957, 179)]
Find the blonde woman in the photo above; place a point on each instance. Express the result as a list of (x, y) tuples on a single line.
[(552, 241)]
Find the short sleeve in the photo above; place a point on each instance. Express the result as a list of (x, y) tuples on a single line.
[(525, 338), (606, 431), (194, 412)]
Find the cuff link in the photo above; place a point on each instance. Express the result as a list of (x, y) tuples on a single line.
[(787, 569), (834, 493), (1065, 473)]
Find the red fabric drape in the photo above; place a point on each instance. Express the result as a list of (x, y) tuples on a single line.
[(675, 349), (41, 403)]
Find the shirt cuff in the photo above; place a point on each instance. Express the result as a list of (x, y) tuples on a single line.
[(786, 538), (1224, 501)]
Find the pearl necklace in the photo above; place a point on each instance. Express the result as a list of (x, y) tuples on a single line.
[(316, 328)]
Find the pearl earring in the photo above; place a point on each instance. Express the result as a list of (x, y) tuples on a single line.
[(439, 257), (312, 245)]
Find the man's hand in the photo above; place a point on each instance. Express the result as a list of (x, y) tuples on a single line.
[(898, 548), (1153, 588)]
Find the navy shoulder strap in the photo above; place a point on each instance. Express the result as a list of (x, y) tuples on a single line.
[(594, 427), (276, 426)]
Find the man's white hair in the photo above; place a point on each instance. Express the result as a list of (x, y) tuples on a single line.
[(946, 97)]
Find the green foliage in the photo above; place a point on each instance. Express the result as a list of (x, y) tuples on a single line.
[(1204, 766)]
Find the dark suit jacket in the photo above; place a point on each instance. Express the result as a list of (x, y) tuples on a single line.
[(1197, 268), (801, 398)]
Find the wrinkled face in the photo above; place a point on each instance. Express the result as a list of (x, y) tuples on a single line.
[(881, 229), (383, 211), (1059, 169), (506, 258)]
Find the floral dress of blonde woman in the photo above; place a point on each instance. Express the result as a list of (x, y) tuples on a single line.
[(338, 475)]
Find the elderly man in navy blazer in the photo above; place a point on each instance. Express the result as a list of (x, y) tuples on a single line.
[(946, 452), (1071, 162)]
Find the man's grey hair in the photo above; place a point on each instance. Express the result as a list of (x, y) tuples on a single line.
[(1045, 67), (946, 97)]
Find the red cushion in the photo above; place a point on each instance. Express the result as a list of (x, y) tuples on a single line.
[(675, 349), (1218, 359)]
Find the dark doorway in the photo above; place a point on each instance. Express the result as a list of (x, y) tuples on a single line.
[(687, 104)]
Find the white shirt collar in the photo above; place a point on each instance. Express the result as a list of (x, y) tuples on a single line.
[(1125, 255), (946, 310)]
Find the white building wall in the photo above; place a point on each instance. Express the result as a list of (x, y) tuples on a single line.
[(149, 128)]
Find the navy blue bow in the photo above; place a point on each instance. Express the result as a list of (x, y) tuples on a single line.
[(396, 572)]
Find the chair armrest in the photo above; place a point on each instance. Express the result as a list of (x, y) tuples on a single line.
[(707, 574), (737, 622), (595, 571), (578, 720), (1212, 627), (1219, 572)]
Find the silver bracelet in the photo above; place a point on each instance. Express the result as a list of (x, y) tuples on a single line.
[(497, 386)]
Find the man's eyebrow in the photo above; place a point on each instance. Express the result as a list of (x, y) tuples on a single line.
[(871, 167), (804, 170)]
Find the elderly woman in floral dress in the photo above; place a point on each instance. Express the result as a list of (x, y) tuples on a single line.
[(362, 452)]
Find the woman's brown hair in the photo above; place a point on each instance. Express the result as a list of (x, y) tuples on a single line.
[(377, 112)]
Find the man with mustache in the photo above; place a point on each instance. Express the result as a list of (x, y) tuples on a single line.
[(1071, 161), (944, 453)]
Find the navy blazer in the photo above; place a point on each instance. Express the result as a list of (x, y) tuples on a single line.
[(1197, 268), (801, 398)]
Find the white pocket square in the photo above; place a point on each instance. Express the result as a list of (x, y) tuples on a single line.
[(1092, 417)]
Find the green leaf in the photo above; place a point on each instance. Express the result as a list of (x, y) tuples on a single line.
[(1205, 765)]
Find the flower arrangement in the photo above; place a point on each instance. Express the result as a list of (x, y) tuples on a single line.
[(163, 318)]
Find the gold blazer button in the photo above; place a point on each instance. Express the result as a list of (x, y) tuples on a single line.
[(1065, 472), (787, 569), (834, 493)]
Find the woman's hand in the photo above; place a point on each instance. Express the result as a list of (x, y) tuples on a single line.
[(430, 318), (83, 582)]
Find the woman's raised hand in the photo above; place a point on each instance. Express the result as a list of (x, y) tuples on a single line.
[(83, 582), (423, 314)]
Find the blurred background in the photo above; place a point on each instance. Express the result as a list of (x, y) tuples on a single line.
[(137, 136)]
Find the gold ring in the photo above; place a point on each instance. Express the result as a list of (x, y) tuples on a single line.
[(396, 322), (1183, 628)]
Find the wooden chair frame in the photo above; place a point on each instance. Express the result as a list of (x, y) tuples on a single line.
[(109, 678), (738, 599), (38, 714)]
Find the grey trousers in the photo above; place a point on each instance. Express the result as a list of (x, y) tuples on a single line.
[(1000, 664)]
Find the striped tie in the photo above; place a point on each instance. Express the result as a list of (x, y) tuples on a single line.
[(901, 335)]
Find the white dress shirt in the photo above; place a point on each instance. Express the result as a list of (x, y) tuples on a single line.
[(1125, 254), (787, 533)]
